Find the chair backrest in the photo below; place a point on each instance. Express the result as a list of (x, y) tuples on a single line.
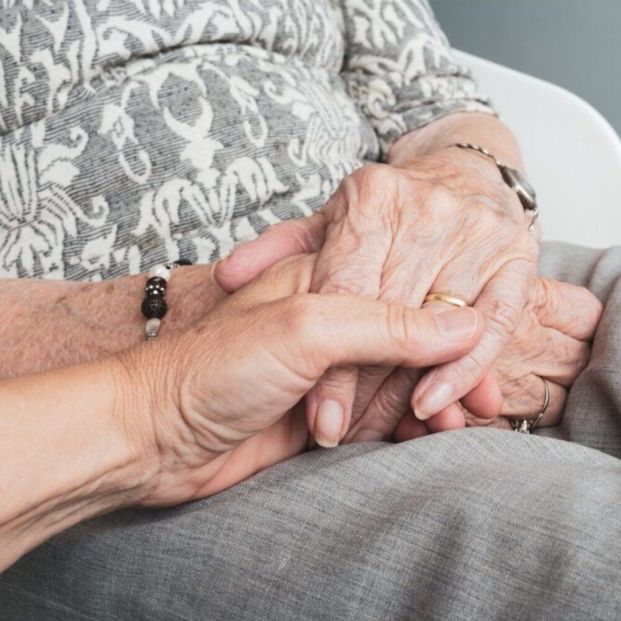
[(572, 154)]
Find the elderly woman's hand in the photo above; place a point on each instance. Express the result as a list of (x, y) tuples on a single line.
[(221, 397), (447, 223), (551, 342)]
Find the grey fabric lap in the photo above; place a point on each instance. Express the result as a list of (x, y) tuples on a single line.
[(463, 525), (468, 525)]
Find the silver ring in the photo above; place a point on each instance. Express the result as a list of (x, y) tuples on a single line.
[(526, 425)]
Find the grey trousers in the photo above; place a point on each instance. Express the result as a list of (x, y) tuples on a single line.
[(473, 524)]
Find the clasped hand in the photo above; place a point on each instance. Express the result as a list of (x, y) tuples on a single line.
[(221, 401), (447, 223), (341, 325)]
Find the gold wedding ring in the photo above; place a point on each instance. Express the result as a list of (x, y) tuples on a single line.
[(446, 298)]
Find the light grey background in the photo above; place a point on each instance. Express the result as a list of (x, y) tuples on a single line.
[(573, 43)]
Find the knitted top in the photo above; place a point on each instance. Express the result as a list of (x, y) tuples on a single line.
[(136, 131)]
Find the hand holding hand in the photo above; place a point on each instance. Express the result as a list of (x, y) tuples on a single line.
[(446, 224), (221, 398)]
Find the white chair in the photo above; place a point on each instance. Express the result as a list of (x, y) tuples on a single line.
[(572, 154)]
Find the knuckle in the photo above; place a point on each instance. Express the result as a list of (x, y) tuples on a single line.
[(291, 264), (387, 410), (468, 372), (547, 296), (300, 234), (369, 186), (338, 382), (567, 356), (401, 326), (545, 291), (309, 232), (376, 174), (441, 201), (503, 316), (392, 401), (297, 314), (348, 282), (475, 421)]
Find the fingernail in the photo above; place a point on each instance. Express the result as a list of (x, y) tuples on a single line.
[(434, 399), (328, 423), (368, 435), (459, 324)]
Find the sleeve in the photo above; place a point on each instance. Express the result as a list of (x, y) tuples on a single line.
[(400, 70)]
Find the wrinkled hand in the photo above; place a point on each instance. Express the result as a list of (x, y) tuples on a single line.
[(221, 398), (449, 224), (551, 342)]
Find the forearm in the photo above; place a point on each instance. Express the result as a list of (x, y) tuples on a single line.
[(482, 129), (68, 453), (49, 324)]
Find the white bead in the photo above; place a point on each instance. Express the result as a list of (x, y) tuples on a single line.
[(160, 271), (152, 327)]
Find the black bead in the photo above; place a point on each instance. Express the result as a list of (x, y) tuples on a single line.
[(155, 287), (153, 308)]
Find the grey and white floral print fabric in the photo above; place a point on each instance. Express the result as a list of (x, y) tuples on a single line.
[(135, 131)]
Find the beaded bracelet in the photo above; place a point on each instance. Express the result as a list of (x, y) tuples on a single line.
[(154, 305)]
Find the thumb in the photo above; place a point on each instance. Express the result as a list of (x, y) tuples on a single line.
[(324, 331), (286, 278), (278, 242)]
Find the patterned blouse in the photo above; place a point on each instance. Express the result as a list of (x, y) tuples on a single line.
[(136, 131)]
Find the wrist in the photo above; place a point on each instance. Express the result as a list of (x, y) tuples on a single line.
[(474, 127), (111, 316), (134, 411), (147, 378), (174, 459), (192, 293)]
